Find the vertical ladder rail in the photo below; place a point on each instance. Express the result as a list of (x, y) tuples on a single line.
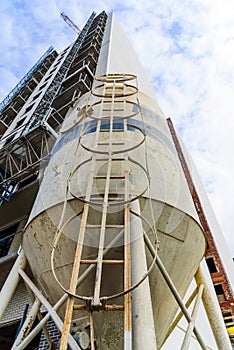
[(127, 273), (97, 288), (73, 282), (127, 256), (79, 247)]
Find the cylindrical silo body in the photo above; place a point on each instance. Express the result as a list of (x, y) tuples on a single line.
[(113, 136)]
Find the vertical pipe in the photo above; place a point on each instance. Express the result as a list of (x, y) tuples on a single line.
[(212, 308), (26, 306), (27, 324), (39, 316), (73, 281), (11, 283), (142, 312)]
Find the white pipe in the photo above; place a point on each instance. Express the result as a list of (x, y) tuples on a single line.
[(27, 324), (52, 310), (57, 320), (212, 308), (144, 336), (11, 283)]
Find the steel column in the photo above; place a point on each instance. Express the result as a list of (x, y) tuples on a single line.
[(142, 312), (180, 315), (173, 289), (212, 308), (11, 283)]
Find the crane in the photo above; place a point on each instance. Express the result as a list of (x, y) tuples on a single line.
[(70, 23)]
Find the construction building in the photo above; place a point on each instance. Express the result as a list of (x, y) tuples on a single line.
[(70, 165)]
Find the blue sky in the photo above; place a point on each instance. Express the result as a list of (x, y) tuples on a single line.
[(187, 48)]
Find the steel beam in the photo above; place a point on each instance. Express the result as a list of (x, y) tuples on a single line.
[(212, 308)]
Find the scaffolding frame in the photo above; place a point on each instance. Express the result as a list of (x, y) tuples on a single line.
[(98, 302), (24, 80), (28, 147)]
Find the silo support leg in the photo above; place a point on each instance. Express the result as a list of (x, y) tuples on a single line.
[(174, 290), (52, 311), (142, 312), (73, 345), (212, 308), (11, 283)]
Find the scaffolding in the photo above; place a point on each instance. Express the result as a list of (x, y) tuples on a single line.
[(28, 147), (24, 80), (13, 103)]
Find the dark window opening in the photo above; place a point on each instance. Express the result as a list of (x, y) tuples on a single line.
[(105, 126), (117, 125), (9, 139), (219, 289), (28, 181), (228, 318), (227, 313), (6, 237), (29, 108), (20, 122), (36, 96), (8, 333), (211, 265)]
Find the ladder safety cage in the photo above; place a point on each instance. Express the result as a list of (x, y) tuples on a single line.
[(109, 190)]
